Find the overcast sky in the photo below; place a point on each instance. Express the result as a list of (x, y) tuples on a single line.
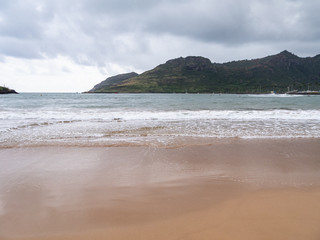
[(71, 45)]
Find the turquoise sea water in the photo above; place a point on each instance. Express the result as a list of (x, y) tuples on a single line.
[(31, 119)]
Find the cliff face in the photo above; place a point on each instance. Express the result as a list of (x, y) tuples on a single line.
[(5, 90), (198, 74)]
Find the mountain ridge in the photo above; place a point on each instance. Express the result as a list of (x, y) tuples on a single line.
[(196, 74)]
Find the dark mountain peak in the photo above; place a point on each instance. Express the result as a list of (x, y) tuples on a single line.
[(287, 54), (284, 59), (190, 63), (189, 60)]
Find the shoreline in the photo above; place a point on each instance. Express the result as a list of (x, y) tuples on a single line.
[(176, 142), (231, 189)]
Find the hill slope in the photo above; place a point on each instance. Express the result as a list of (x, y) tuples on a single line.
[(198, 74), (5, 90), (112, 81)]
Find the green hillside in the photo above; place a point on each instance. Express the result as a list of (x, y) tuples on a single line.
[(199, 75)]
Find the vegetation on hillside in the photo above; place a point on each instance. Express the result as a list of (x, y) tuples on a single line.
[(112, 81), (198, 75)]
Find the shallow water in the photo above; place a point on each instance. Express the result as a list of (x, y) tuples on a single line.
[(32, 119)]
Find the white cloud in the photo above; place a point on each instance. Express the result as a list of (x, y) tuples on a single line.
[(58, 74)]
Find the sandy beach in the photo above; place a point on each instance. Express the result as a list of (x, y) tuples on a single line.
[(229, 189)]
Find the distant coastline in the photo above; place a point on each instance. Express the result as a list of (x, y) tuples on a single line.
[(5, 90)]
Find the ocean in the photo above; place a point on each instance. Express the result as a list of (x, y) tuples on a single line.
[(72, 119)]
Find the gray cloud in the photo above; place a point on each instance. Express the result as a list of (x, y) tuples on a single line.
[(98, 32)]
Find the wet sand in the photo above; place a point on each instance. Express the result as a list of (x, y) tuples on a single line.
[(231, 189)]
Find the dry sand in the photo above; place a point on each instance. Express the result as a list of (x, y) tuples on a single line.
[(235, 189)]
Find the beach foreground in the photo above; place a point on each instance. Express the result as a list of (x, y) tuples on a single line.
[(230, 189)]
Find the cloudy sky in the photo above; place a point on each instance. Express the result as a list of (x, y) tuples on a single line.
[(70, 45)]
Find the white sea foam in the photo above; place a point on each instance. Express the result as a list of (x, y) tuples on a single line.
[(85, 115), (100, 122), (274, 95)]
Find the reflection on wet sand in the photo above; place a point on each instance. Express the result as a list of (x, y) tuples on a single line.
[(59, 192)]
